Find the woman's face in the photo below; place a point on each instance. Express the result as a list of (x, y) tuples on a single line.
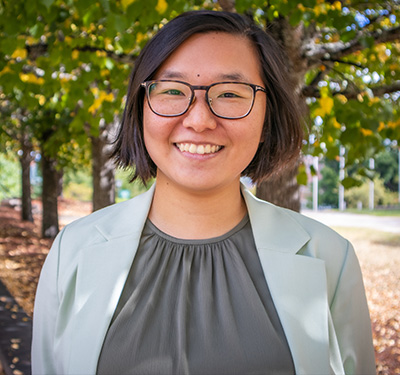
[(199, 151)]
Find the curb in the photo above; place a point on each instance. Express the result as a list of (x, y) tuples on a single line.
[(15, 336)]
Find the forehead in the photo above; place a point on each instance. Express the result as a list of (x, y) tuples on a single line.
[(212, 56)]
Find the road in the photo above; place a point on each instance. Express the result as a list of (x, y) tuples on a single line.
[(345, 219)]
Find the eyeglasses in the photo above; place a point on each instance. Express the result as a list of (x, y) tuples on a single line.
[(228, 100)]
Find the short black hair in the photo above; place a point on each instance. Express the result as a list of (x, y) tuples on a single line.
[(283, 129)]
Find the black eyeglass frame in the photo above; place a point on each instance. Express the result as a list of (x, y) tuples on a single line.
[(255, 88)]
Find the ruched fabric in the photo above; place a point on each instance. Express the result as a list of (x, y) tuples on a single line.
[(196, 307)]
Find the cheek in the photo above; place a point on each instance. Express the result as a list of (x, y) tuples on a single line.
[(156, 133), (149, 133)]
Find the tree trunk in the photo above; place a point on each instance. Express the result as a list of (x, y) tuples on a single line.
[(25, 160), (282, 189), (50, 193), (103, 171)]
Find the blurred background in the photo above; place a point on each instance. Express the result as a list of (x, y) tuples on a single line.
[(64, 71)]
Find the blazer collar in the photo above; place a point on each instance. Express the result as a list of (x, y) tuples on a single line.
[(270, 224), (126, 218), (273, 228)]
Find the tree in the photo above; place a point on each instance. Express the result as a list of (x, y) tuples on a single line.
[(328, 192), (342, 56), (387, 167), (17, 132)]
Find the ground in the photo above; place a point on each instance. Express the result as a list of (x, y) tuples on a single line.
[(22, 253)]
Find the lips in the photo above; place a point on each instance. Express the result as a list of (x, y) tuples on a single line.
[(198, 149)]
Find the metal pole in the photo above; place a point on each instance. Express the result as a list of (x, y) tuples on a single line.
[(371, 185), (315, 184), (341, 178)]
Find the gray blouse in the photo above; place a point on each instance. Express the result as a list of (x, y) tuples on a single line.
[(196, 307)]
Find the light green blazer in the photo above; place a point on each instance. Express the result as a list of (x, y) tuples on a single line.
[(312, 273)]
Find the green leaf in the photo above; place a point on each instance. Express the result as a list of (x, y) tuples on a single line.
[(302, 177), (349, 182), (295, 17), (47, 3), (348, 35)]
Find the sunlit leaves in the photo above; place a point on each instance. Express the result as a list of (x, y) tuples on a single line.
[(58, 51)]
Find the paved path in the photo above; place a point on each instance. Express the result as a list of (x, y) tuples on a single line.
[(15, 336), (345, 219)]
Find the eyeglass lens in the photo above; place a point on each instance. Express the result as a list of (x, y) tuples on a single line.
[(170, 98)]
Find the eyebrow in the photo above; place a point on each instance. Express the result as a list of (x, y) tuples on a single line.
[(234, 76)]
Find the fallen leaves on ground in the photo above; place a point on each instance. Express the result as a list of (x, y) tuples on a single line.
[(379, 257), (22, 253)]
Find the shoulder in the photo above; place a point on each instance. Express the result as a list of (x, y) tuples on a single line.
[(318, 240), (117, 220)]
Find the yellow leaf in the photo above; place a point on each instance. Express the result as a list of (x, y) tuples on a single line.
[(381, 126), (5, 70), (326, 105), (19, 53), (31, 78), (337, 5), (366, 132), (95, 106), (373, 100), (301, 7), (139, 37), (108, 98), (161, 6), (319, 9), (101, 53), (108, 43), (31, 40), (336, 124), (342, 99), (41, 99), (103, 96), (75, 54), (126, 3), (394, 124)]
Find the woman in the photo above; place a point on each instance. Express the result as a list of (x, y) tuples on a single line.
[(197, 276)]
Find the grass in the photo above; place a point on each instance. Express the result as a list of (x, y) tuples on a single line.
[(377, 212), (375, 237)]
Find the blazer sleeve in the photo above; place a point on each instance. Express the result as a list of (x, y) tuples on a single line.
[(45, 314), (351, 320)]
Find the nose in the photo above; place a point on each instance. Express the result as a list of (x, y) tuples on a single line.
[(199, 116)]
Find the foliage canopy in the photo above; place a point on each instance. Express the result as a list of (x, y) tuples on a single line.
[(64, 67)]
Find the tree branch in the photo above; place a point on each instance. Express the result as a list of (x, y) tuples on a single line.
[(315, 53), (119, 57), (314, 92), (227, 5), (358, 65), (40, 49)]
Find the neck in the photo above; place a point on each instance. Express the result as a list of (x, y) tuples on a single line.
[(188, 215)]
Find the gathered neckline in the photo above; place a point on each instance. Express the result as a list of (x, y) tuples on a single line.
[(206, 241)]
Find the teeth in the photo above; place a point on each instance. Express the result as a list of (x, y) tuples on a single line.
[(198, 149)]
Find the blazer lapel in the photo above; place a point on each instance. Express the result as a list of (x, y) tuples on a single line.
[(101, 274), (297, 284)]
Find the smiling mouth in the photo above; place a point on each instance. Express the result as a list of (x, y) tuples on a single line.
[(198, 149)]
